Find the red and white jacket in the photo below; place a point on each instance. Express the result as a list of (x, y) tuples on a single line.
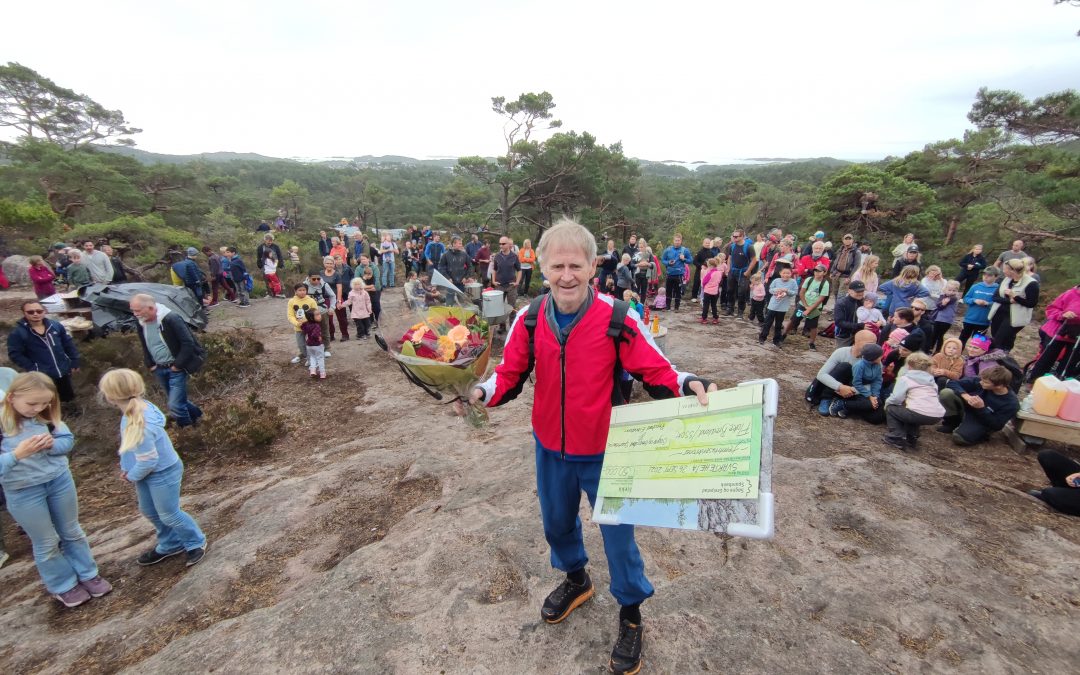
[(572, 401)]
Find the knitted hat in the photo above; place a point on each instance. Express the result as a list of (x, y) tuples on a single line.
[(871, 352), (899, 334), (912, 342), (981, 341)]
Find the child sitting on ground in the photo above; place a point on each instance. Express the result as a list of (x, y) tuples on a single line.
[(359, 304), (710, 290), (870, 315), (948, 364), (660, 301), (757, 298), (980, 357), (313, 337), (975, 407), (866, 380), (893, 341), (913, 403)]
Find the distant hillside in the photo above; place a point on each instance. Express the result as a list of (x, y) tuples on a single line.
[(146, 157), (667, 168)]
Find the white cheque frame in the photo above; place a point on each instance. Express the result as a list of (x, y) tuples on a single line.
[(751, 518)]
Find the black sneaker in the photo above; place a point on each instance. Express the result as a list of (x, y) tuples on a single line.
[(195, 556), (565, 599), (626, 656), (152, 557)]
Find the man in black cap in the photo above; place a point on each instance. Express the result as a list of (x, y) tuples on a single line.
[(845, 319)]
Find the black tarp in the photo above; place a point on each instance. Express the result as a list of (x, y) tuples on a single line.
[(112, 313)]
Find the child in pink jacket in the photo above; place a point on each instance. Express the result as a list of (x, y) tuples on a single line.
[(359, 304)]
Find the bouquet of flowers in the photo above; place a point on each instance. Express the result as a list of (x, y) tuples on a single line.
[(443, 348)]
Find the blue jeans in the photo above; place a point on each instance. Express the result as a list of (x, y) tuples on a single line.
[(388, 274), (159, 501), (559, 484), (175, 385), (49, 512)]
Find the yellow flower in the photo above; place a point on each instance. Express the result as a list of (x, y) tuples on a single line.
[(447, 348)]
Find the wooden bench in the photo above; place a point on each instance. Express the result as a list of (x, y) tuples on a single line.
[(1030, 429)]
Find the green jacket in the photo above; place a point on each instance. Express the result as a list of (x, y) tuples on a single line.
[(359, 271), (78, 275)]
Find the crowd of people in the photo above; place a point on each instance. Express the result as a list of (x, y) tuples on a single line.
[(896, 362)]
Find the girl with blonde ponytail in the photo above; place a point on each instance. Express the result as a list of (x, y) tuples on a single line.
[(149, 461)]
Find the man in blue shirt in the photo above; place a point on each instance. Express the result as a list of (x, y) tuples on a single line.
[(472, 248), (675, 259), (433, 252)]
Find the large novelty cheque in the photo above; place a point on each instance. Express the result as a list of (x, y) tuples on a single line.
[(676, 463)]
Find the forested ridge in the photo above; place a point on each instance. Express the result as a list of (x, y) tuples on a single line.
[(1014, 174)]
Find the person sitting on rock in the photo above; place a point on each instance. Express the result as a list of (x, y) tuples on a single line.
[(975, 407), (1064, 475)]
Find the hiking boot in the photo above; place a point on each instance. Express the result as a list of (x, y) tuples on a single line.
[(152, 557), (626, 656), (96, 587), (896, 443), (195, 556), (565, 599), (836, 408), (74, 597), (823, 407)]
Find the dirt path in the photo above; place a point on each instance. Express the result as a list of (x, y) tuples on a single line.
[(383, 535)]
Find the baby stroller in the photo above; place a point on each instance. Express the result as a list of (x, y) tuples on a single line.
[(1063, 361)]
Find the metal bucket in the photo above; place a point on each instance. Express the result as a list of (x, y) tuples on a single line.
[(474, 290), (494, 305)]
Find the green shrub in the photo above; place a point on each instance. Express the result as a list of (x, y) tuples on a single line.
[(231, 359), (247, 427)]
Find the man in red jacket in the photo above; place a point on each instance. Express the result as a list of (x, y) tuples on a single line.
[(575, 364)]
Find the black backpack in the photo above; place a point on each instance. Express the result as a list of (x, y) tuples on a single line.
[(617, 330)]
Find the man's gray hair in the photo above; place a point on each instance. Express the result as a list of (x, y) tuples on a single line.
[(570, 234), (143, 299)]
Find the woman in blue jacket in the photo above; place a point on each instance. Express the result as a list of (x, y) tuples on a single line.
[(148, 460), (41, 344)]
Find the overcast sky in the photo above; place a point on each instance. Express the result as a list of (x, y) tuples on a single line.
[(670, 80)]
